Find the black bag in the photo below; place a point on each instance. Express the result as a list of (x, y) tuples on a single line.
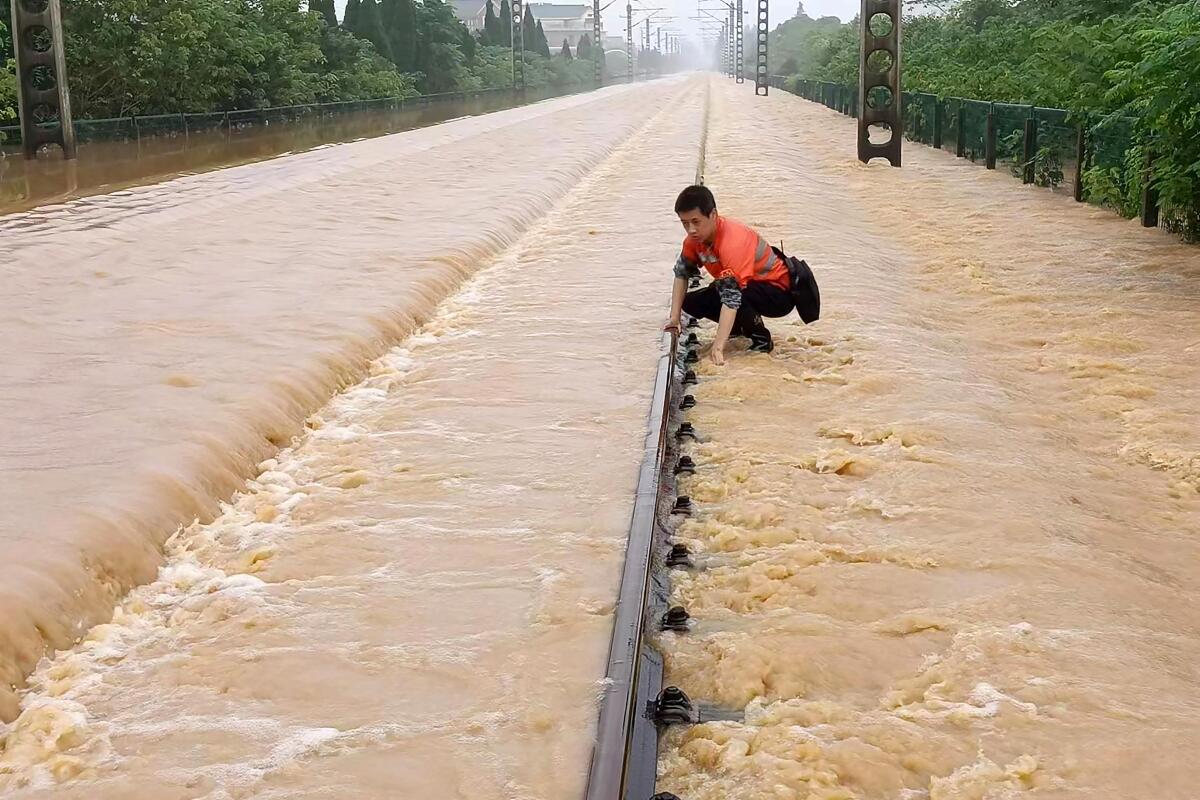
[(805, 292)]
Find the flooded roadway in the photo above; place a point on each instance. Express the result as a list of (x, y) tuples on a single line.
[(951, 534), (415, 598)]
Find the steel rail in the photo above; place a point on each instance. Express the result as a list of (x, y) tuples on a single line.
[(625, 757)]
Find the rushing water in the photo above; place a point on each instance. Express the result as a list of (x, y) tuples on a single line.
[(951, 533), (948, 535), (416, 593)]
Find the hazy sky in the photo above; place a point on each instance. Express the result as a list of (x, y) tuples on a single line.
[(614, 22)]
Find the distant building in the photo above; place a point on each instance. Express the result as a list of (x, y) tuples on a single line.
[(570, 22), (472, 13), (614, 43)]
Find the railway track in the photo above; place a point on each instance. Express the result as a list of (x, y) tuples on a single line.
[(636, 706)]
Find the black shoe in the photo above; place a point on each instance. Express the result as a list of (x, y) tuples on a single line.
[(761, 342)]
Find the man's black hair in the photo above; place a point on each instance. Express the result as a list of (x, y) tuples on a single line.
[(696, 198)]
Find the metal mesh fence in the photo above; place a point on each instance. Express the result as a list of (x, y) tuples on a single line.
[(974, 119), (133, 128), (1111, 157), (1009, 121), (949, 123), (1054, 162), (1041, 146), (920, 116), (167, 125)]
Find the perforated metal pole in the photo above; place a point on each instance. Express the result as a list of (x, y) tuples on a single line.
[(739, 51), (879, 80), (42, 95), (597, 45), (725, 60), (730, 45), (762, 78), (629, 40), (518, 44)]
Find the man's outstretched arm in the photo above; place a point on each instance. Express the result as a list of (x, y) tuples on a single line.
[(724, 327), (678, 292)]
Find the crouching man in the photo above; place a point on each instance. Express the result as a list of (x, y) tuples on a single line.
[(750, 280)]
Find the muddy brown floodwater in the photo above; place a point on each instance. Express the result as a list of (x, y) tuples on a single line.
[(413, 598), (950, 535), (947, 536)]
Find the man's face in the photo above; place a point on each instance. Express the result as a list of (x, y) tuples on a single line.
[(699, 227)]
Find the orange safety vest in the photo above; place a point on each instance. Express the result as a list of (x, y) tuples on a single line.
[(737, 251)]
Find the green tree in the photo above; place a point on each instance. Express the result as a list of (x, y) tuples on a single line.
[(1163, 91), (543, 46), (492, 68), (565, 52), (326, 11), (529, 31), (583, 50), (8, 81), (444, 48), (506, 26), (350, 17), (399, 20), (369, 26), (146, 57), (142, 57), (977, 13), (355, 71), (493, 34)]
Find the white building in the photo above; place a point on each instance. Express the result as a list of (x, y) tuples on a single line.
[(570, 22), (472, 13)]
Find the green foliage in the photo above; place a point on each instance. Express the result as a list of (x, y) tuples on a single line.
[(326, 10), (8, 81), (369, 25), (506, 26), (494, 33), (399, 20), (142, 57), (1047, 162), (803, 44), (154, 57), (355, 71), (1119, 186), (529, 31), (350, 18), (565, 52), (1162, 88), (444, 48), (555, 73), (492, 68), (584, 50)]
